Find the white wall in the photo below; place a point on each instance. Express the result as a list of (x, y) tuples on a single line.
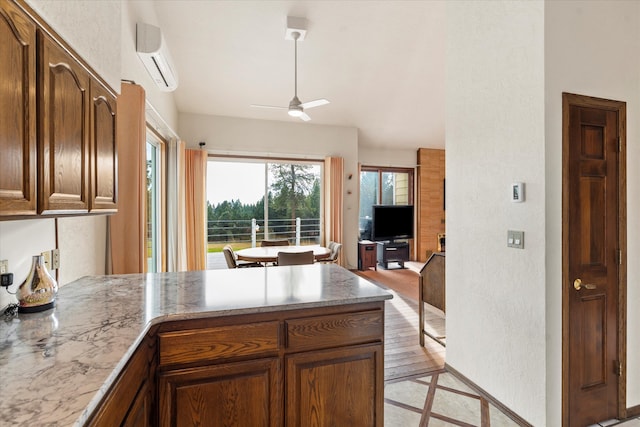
[(227, 135), (389, 157), (92, 28), (495, 136), (132, 67), (591, 48)]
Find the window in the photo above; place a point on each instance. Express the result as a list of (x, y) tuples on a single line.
[(154, 235), (384, 186), (250, 200)]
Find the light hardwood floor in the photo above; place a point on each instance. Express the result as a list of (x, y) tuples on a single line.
[(403, 355)]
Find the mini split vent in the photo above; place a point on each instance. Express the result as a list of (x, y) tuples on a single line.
[(153, 52)]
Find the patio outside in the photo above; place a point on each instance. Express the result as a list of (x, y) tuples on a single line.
[(273, 201)]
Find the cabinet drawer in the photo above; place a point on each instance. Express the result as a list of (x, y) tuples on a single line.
[(334, 330), (221, 342)]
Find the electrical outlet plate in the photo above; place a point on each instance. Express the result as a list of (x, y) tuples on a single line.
[(4, 266), (55, 259), (47, 259)]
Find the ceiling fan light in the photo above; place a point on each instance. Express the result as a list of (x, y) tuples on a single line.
[(295, 112)]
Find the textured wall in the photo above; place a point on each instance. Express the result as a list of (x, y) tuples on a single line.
[(591, 49), (92, 28), (495, 136), (78, 237)]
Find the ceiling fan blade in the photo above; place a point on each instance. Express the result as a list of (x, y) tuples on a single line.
[(316, 103), (269, 106), (305, 117)]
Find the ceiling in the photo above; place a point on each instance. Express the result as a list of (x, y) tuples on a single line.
[(380, 63)]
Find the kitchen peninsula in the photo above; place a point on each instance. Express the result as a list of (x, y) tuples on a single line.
[(263, 346)]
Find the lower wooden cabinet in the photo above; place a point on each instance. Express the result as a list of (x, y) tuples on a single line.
[(315, 367), (141, 413), (340, 387), (231, 394), (130, 402)]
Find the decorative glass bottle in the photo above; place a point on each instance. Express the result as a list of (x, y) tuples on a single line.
[(38, 291)]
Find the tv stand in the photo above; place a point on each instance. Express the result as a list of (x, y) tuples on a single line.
[(392, 252)]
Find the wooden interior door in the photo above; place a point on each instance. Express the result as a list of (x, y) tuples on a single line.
[(593, 221)]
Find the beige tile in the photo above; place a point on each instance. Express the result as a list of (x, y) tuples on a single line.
[(499, 419), (434, 422), (449, 380), (630, 423), (398, 417), (407, 392), (457, 406), (425, 379)]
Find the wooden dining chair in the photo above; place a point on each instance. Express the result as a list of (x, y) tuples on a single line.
[(280, 242), (295, 258), (232, 262), (334, 254)]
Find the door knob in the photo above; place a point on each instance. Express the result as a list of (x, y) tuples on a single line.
[(577, 284)]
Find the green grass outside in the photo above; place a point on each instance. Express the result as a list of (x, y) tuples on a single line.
[(217, 247)]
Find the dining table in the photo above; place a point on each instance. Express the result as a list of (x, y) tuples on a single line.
[(269, 254)]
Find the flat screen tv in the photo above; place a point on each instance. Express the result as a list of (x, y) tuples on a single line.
[(392, 222)]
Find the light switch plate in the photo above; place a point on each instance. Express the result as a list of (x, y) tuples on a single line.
[(4, 266), (515, 239)]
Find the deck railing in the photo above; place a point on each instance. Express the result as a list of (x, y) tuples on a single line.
[(298, 231)]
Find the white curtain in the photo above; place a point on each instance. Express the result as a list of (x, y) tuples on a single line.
[(176, 216)]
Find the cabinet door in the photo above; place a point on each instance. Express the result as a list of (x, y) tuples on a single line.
[(233, 394), (104, 164), (63, 133), (17, 112), (130, 401), (339, 387), (140, 413)]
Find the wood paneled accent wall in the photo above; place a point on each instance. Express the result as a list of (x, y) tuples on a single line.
[(430, 201)]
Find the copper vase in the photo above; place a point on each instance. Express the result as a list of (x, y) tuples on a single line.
[(38, 291)]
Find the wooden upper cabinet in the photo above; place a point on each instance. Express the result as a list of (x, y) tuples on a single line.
[(63, 133), (104, 165), (57, 124), (17, 112)]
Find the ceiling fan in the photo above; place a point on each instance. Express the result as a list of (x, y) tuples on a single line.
[(296, 108)]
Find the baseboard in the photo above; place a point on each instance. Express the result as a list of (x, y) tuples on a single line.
[(508, 412), (634, 411)]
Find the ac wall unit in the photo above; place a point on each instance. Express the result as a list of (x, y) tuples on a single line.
[(154, 54)]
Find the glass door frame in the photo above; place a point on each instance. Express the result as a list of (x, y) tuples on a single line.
[(154, 139)]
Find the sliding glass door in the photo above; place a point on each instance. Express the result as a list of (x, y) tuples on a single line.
[(154, 203), (250, 200)]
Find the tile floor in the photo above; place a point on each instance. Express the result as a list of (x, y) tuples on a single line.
[(440, 399), (629, 423)]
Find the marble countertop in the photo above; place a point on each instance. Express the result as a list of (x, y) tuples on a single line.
[(55, 366)]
